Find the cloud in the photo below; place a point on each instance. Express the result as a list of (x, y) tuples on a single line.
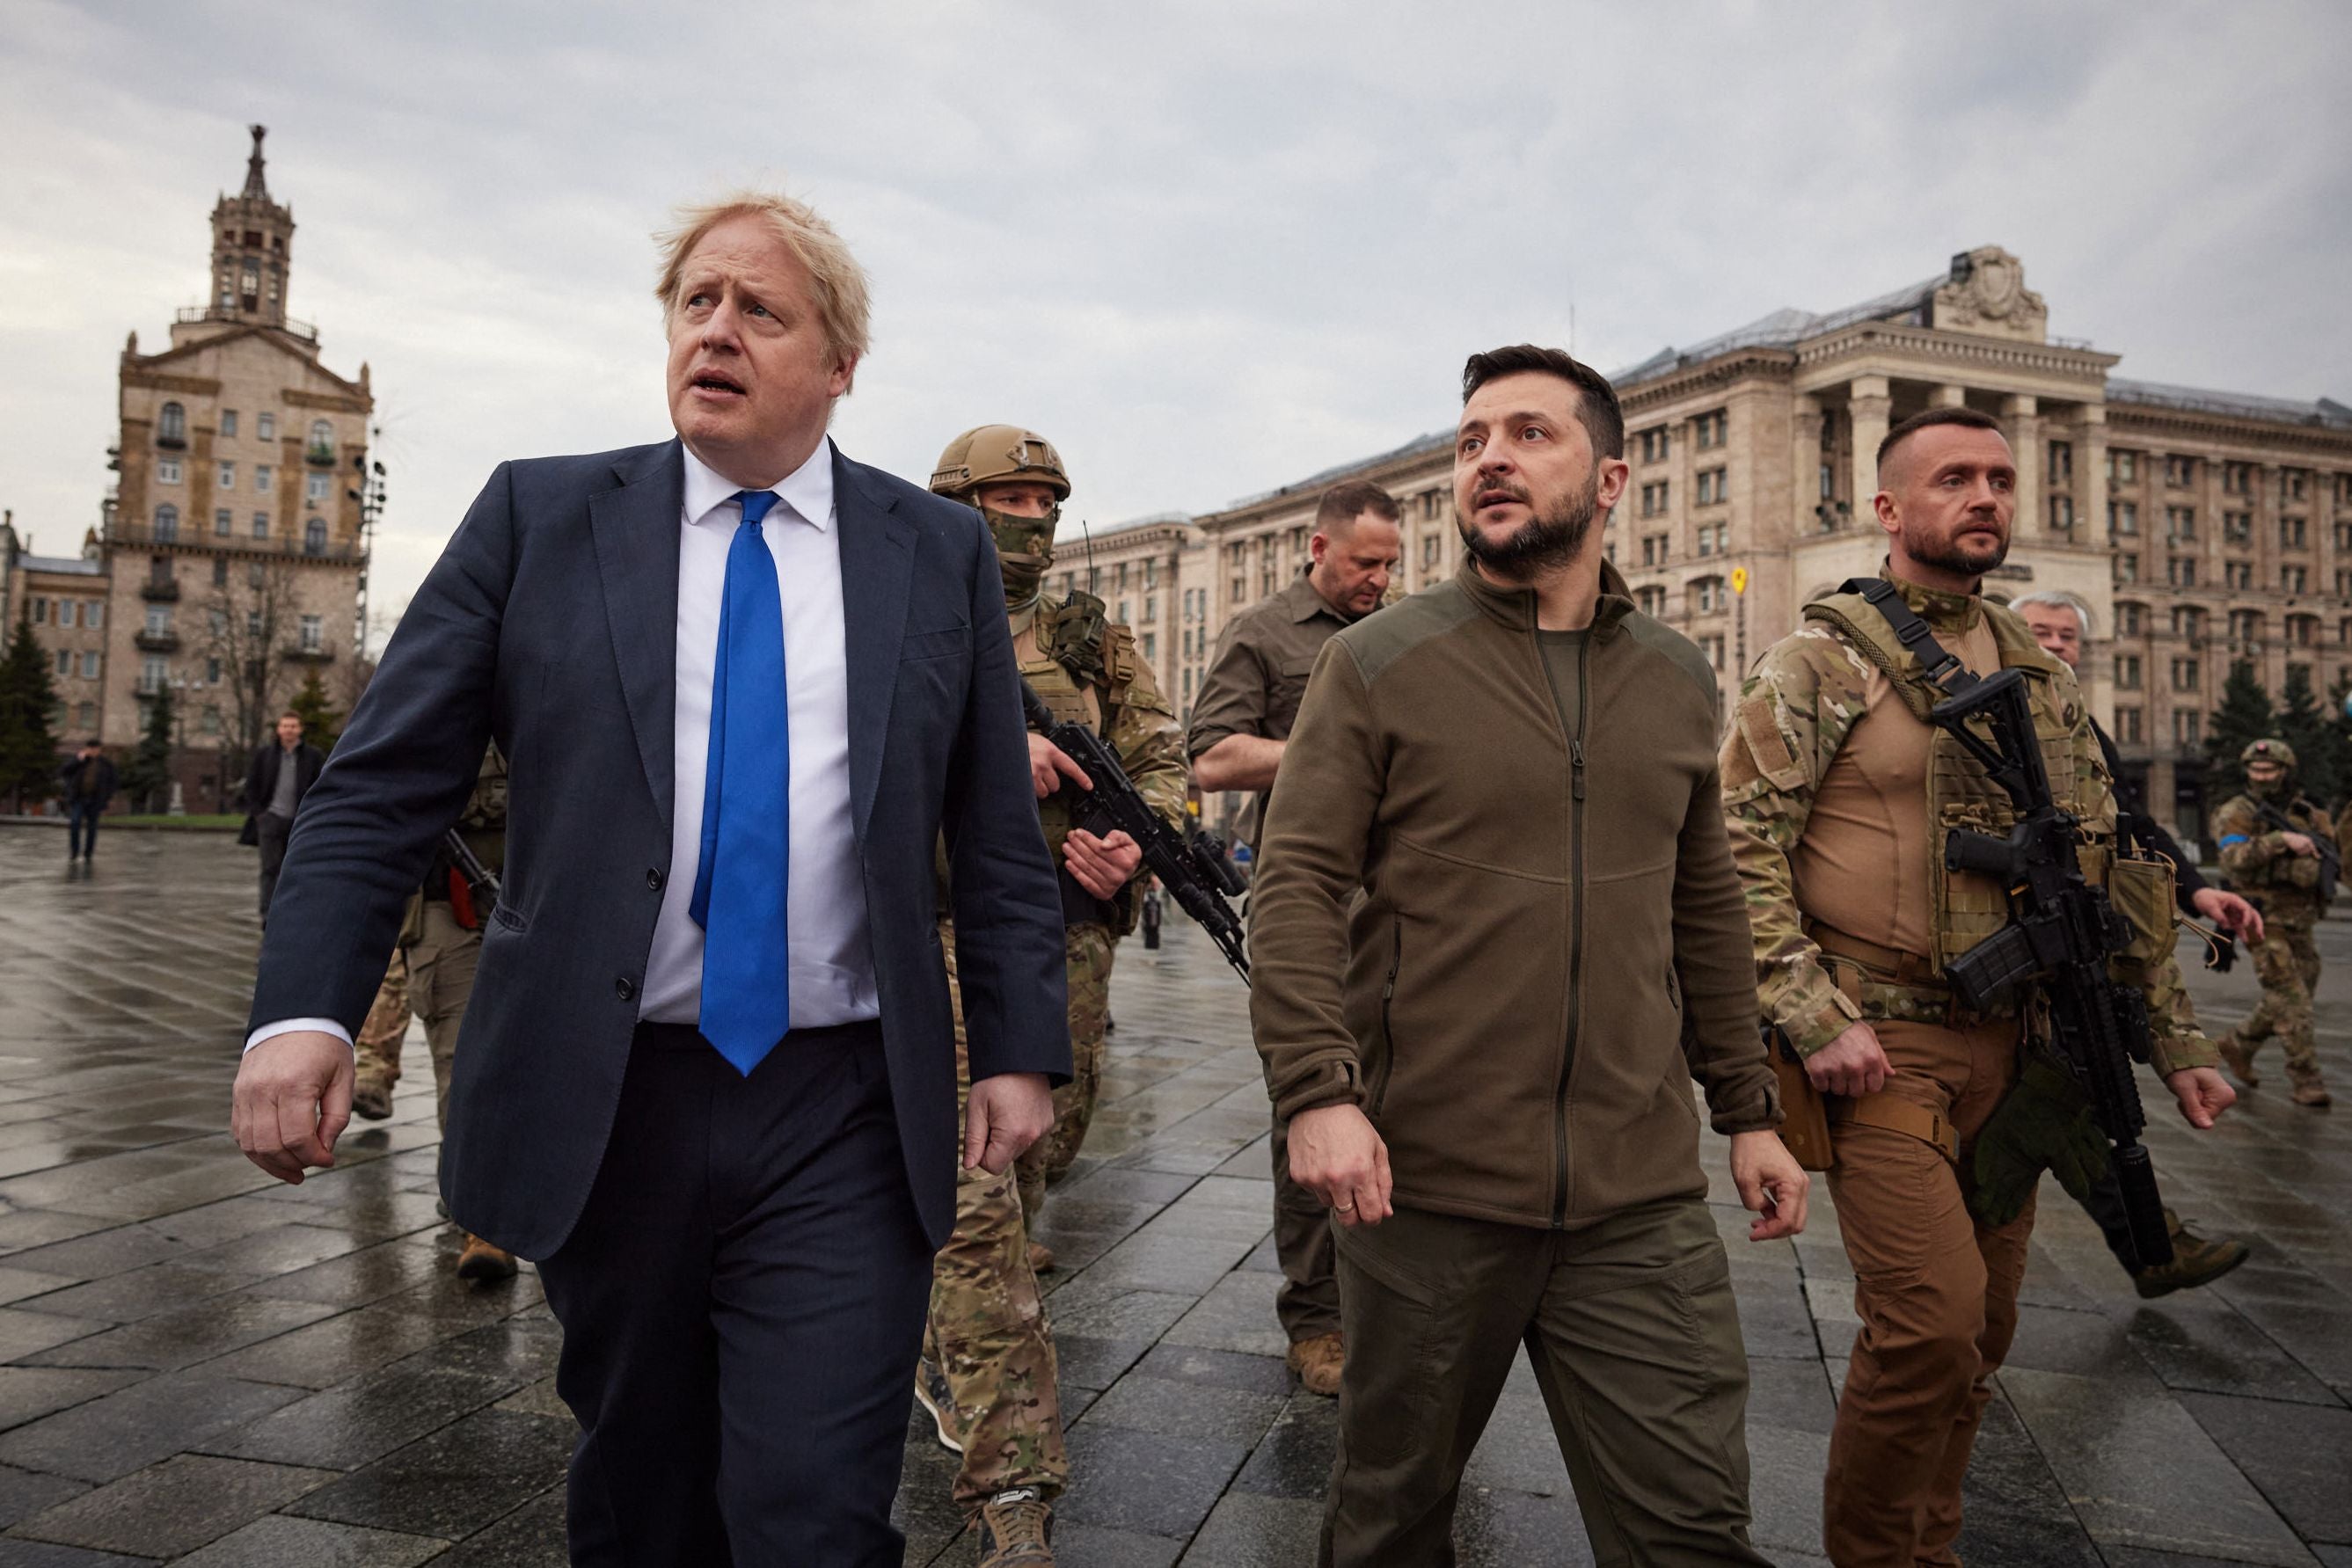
[(1208, 248)]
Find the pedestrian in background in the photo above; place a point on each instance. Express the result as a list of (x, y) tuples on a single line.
[(88, 782), (280, 774), (1498, 935), (1243, 719)]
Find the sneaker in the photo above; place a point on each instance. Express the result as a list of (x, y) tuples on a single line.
[(1016, 1530), (1318, 1361), (2238, 1059), (370, 1102), (932, 1392), (1041, 1259), (2195, 1261), (483, 1263)]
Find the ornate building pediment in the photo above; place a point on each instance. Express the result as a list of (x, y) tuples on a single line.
[(1986, 295)]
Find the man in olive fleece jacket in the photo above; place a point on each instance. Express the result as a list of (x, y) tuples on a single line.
[(1486, 1060)]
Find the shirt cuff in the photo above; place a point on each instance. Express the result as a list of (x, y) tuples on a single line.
[(294, 1026)]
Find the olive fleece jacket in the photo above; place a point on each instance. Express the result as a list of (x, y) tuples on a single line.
[(1551, 942)]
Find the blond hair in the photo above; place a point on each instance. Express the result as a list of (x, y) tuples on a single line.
[(841, 303)]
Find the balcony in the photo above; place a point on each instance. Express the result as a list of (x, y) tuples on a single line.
[(157, 642), (159, 589), (320, 457), (297, 654), (241, 316), (173, 443), (121, 533)]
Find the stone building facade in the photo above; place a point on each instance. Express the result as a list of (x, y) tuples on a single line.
[(235, 541), (2202, 527), (63, 599)]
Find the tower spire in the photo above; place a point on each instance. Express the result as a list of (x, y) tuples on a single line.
[(255, 185)]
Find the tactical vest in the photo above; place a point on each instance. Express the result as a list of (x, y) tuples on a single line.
[(1965, 908), (1078, 663), (2286, 874)]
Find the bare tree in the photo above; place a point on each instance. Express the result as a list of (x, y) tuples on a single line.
[(247, 621)]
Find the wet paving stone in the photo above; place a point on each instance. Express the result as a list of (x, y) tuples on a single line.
[(169, 1317)]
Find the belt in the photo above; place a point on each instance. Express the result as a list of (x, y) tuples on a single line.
[(1889, 962)]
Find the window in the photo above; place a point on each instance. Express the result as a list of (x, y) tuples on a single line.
[(1151, 600), (159, 621), (1714, 538), (220, 571), (2184, 675), (2180, 523), (1188, 686), (2238, 574), (167, 470), (211, 721), (2302, 631), (65, 608), (1428, 551), (1712, 430), (2128, 671), (89, 712), (265, 426), (2062, 513), (2181, 570), (261, 477), (2188, 621), (1706, 595), (2123, 467), (253, 574), (1711, 646), (2062, 463), (1713, 485), (93, 614), (2179, 471), (2130, 618), (313, 634), (65, 662), (229, 476), (153, 671), (2126, 569), (1654, 498), (322, 438), (2122, 519), (2245, 625), (2237, 527), (1150, 646), (167, 522), (228, 421), (2188, 729), (1653, 443), (40, 610), (261, 524), (252, 624), (172, 426), (2127, 725), (1654, 549), (2238, 478), (1653, 600), (2293, 579), (2291, 533), (2290, 484)]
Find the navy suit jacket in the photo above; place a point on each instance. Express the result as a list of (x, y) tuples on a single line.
[(549, 623)]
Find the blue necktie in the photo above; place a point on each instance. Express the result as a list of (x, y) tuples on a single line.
[(746, 866)]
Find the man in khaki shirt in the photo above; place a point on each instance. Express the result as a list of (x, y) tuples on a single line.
[(1239, 727)]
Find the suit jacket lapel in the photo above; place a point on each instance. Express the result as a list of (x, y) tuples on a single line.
[(636, 531), (877, 567)]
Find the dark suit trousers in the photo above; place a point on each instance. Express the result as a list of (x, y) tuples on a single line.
[(274, 830), (742, 1307)]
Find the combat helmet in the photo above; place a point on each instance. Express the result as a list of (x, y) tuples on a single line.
[(999, 454), (2270, 750)]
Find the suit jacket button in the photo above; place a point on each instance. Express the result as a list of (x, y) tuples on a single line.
[(654, 878), (624, 988)]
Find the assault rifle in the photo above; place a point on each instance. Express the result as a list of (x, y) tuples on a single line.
[(2331, 859), (480, 880), (2061, 932), (1195, 873)]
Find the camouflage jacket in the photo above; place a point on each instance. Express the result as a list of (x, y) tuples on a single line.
[(1796, 709), (1135, 720), (2259, 864)]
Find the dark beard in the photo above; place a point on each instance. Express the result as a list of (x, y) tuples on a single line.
[(1947, 555), (1545, 541)]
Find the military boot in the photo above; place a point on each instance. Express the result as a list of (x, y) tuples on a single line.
[(1041, 1259), (2309, 1089), (371, 1100), (2238, 1059), (934, 1395), (2195, 1261), (1016, 1530), (1318, 1360)]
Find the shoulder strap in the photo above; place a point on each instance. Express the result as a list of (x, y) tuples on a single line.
[(1942, 668)]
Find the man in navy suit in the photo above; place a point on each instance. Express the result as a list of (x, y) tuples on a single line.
[(745, 688)]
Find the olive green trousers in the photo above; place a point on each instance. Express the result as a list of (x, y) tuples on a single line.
[(1634, 1339)]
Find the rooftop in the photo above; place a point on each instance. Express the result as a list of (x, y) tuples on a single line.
[(69, 565), (2325, 411)]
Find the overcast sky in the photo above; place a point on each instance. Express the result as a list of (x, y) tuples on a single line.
[(1207, 249)]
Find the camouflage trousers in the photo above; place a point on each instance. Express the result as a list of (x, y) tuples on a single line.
[(433, 979), (1086, 952), (987, 1330), (2287, 964)]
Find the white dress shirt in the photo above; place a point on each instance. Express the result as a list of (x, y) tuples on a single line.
[(832, 960)]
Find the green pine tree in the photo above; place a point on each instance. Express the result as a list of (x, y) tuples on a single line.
[(2244, 717), (147, 777), (322, 724), (2304, 725), (28, 742)]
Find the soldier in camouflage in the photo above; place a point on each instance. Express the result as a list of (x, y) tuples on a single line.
[(2279, 870), (1838, 793), (987, 1375)]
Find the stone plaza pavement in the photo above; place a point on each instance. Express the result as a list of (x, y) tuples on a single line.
[(198, 1365)]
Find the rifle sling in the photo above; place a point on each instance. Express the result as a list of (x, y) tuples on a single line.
[(1891, 1113), (1943, 668)]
